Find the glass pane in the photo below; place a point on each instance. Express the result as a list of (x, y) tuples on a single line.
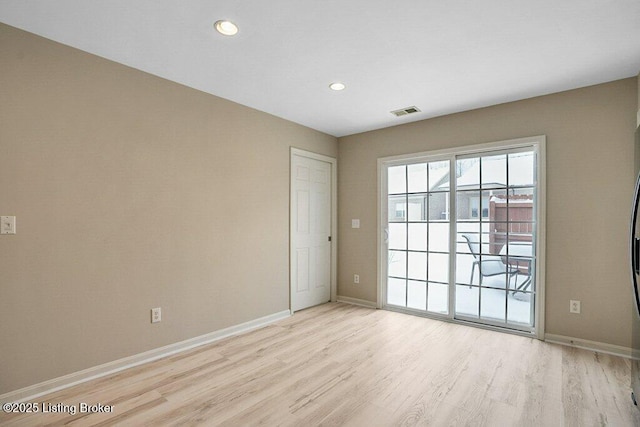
[(417, 177), (494, 171), (465, 269), (439, 175), (397, 179), (488, 205), (417, 266), (493, 304), (418, 207), (520, 257), (438, 207), (521, 205), (397, 292), (439, 237), (397, 208), (468, 173), (494, 205), (438, 298), (492, 238), (519, 308), (471, 231), (418, 237), (521, 169), (397, 236), (467, 300), (519, 245), (468, 205), (397, 264), (417, 295), (439, 268), (467, 243), (531, 277), (521, 229), (494, 273), (523, 280)]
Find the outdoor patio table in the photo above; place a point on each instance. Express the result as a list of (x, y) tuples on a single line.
[(518, 252)]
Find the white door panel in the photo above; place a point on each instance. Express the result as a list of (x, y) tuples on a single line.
[(311, 202)]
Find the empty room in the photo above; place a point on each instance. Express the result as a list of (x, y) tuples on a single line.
[(319, 213)]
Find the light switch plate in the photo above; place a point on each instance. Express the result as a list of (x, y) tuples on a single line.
[(7, 225), (355, 223)]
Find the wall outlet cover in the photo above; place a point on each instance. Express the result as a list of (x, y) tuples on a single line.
[(574, 306), (156, 315)]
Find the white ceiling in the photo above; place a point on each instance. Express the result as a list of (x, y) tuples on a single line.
[(443, 56)]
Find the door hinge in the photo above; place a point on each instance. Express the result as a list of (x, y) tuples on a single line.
[(329, 238)]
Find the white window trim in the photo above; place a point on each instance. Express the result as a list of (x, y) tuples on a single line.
[(539, 144)]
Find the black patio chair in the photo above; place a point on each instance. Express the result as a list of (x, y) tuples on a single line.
[(488, 265)]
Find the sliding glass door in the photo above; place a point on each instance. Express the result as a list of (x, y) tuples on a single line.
[(460, 234)]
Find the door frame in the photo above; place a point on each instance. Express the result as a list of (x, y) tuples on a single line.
[(539, 142), (334, 218)]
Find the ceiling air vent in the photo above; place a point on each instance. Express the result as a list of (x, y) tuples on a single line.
[(405, 111)]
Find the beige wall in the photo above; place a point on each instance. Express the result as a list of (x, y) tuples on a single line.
[(131, 192), (589, 177)]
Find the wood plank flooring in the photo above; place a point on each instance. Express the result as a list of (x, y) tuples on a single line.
[(339, 364)]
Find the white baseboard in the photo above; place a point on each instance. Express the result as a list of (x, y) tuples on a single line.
[(356, 301), (600, 347), (56, 384)]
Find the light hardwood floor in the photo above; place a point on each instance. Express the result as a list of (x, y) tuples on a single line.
[(339, 364)]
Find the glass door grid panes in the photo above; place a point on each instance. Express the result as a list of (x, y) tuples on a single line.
[(495, 238), (418, 236), (478, 265)]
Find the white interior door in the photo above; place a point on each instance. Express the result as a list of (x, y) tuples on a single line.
[(311, 185)]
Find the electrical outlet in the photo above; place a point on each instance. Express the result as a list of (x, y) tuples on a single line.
[(156, 315), (574, 306), (356, 278)]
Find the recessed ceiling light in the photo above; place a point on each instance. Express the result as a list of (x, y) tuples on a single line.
[(226, 28), (337, 86)]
